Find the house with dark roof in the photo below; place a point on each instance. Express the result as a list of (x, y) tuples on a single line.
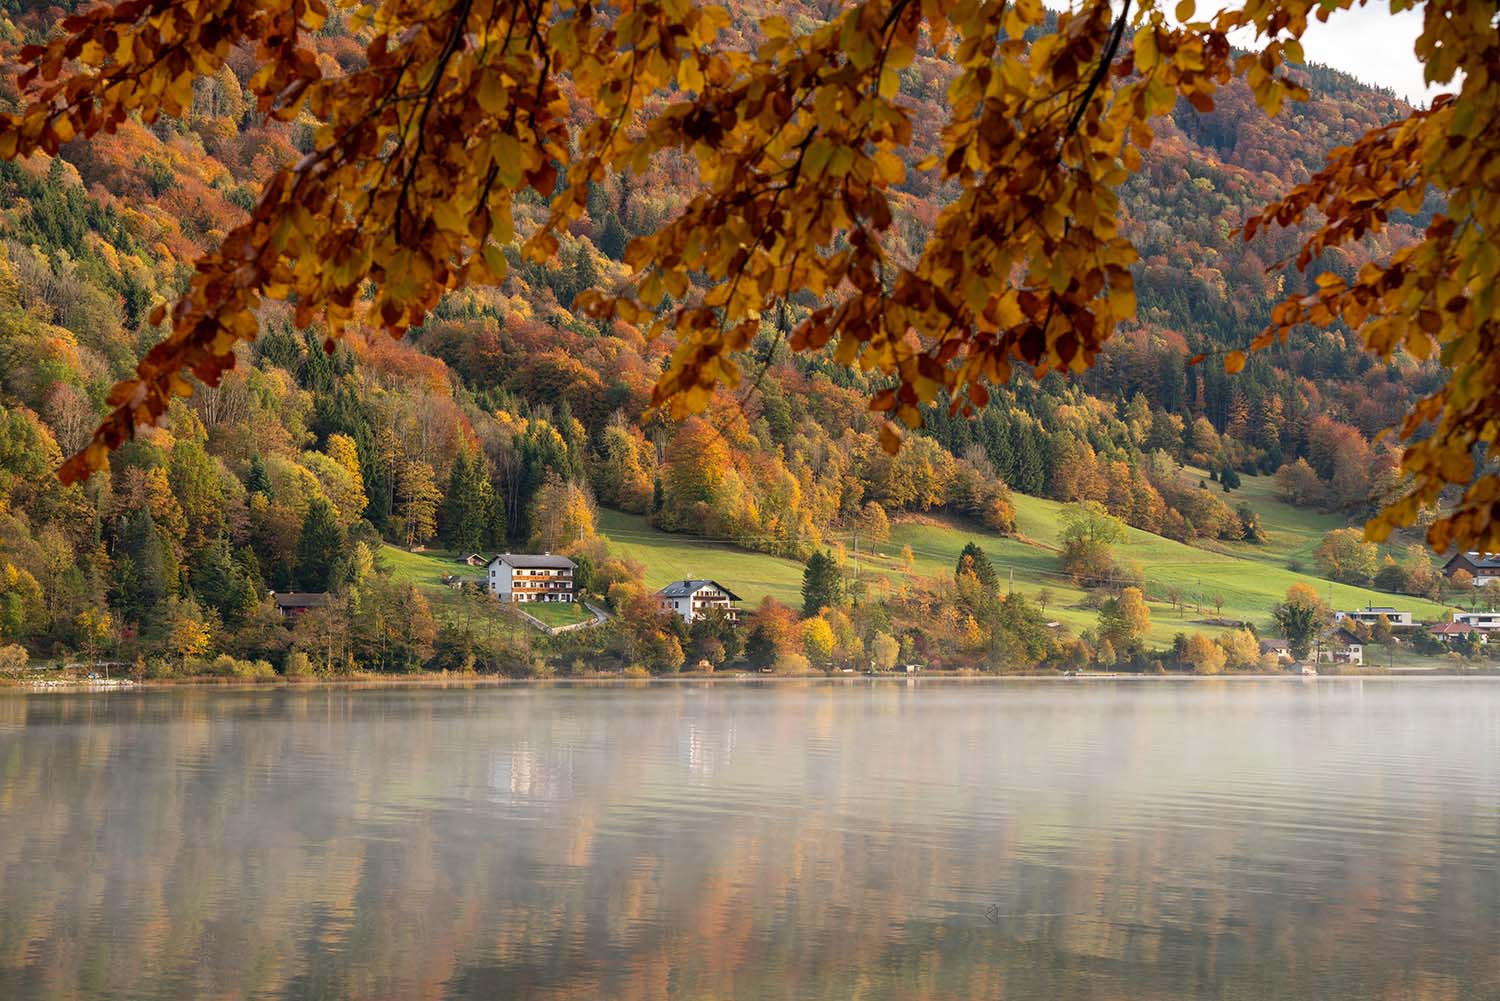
[(1280, 649), (1342, 647), (1483, 567), (693, 598), (476, 560), (294, 603), (528, 577)]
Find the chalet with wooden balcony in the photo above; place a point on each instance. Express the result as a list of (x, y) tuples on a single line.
[(526, 577), (691, 599), (1483, 567)]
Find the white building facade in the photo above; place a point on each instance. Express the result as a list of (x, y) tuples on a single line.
[(1371, 615), (1478, 620), (524, 577), (691, 599)]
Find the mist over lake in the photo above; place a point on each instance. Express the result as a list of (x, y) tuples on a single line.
[(1329, 839)]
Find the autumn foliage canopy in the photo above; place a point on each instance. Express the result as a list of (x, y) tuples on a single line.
[(463, 107)]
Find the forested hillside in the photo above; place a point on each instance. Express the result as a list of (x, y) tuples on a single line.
[(506, 420)]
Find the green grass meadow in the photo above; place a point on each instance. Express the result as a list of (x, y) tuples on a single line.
[(557, 613), (1250, 579), (425, 569)]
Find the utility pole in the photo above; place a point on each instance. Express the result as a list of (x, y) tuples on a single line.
[(1012, 589), (856, 555)]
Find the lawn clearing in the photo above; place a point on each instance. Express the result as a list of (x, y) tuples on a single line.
[(669, 557), (557, 613)]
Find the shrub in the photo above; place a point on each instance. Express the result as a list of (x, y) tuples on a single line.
[(158, 668), (224, 666), (635, 671), (792, 663), (13, 658), (254, 670), (297, 665)]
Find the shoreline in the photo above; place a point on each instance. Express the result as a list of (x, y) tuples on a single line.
[(471, 681)]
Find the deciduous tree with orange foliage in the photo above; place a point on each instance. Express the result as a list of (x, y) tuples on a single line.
[(460, 107)]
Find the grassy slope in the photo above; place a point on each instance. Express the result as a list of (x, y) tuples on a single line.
[(426, 569), (1251, 579), (675, 557), (557, 613)]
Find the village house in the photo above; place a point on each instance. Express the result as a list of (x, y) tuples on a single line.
[(1342, 647), (692, 598), (1483, 567), (1371, 615), (476, 560), (1454, 632), (523, 577), (1482, 621), (293, 603), (1280, 649)]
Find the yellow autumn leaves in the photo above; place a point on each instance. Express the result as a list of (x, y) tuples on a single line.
[(800, 146)]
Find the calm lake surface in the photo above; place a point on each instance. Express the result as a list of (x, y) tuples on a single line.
[(1330, 839)]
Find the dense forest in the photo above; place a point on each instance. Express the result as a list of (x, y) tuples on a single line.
[(507, 420)]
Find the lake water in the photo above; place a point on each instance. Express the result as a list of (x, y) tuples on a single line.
[(1330, 839)]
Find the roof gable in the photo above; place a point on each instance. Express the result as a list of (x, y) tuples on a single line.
[(300, 599), (685, 588), (533, 561), (1483, 561)]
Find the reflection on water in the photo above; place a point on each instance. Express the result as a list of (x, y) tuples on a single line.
[(1329, 840)]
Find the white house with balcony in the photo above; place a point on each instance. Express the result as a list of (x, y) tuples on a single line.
[(526, 577), (691, 599), (1483, 621), (1371, 615)]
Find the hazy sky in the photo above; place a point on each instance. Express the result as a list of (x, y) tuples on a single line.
[(1371, 44), (1368, 43)]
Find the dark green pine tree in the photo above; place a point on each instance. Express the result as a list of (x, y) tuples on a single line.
[(822, 584), (319, 548), (973, 560), (143, 568), (258, 481), (467, 507), (214, 577), (1028, 450), (612, 237), (997, 444), (495, 523), (247, 565)]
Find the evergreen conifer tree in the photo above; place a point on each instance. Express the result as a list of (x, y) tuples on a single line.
[(318, 549), (144, 573), (822, 584), (468, 505), (258, 481), (973, 560)]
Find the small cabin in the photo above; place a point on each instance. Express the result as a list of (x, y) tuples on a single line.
[(294, 603), (1280, 649)]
